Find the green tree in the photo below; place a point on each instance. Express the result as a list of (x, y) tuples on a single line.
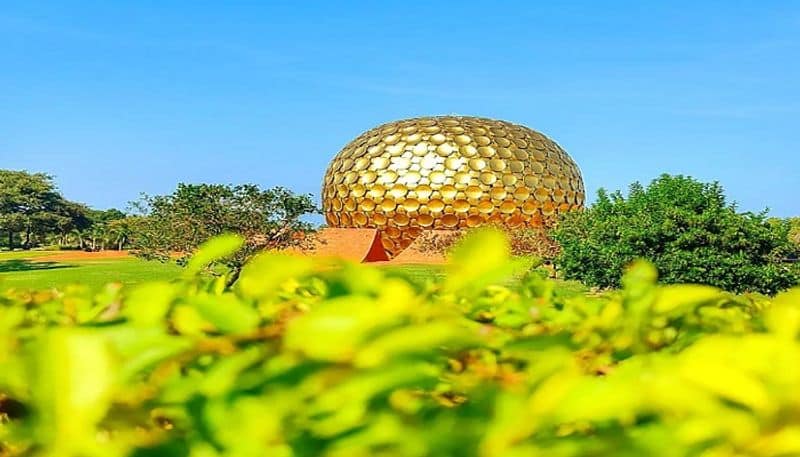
[(30, 204), (686, 228), (105, 229), (181, 221), (73, 219)]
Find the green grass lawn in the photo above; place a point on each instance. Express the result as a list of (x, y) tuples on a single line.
[(21, 270)]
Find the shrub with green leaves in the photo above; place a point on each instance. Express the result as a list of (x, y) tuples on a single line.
[(686, 228), (179, 222), (301, 358), (794, 231)]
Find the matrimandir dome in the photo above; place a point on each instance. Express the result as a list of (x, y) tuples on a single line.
[(448, 172)]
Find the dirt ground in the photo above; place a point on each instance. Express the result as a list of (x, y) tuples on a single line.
[(352, 244), (67, 256)]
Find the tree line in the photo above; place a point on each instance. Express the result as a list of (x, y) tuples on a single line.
[(34, 213)]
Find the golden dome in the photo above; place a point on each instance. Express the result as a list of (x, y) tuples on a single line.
[(448, 172)]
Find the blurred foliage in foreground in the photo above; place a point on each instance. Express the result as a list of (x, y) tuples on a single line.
[(304, 359)]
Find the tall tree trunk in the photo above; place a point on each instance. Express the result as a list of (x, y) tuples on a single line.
[(27, 244), (11, 240)]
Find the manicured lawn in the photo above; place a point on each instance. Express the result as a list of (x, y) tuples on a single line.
[(27, 271), (420, 273), (22, 270)]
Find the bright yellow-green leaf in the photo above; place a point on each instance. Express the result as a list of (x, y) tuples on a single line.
[(783, 318), (684, 297), (215, 249), (73, 379), (481, 258), (226, 312), (149, 303), (267, 272)]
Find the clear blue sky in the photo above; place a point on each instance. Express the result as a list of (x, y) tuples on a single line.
[(117, 98)]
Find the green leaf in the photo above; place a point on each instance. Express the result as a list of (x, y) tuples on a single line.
[(72, 379), (148, 304), (685, 297), (215, 249), (417, 339), (483, 257), (783, 318), (226, 312), (264, 275)]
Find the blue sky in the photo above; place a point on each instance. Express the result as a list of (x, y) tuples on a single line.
[(118, 98)]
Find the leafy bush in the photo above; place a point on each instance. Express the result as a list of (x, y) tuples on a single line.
[(686, 229), (525, 241), (794, 231), (179, 222), (305, 359)]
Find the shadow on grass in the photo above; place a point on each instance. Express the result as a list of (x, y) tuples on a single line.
[(15, 265)]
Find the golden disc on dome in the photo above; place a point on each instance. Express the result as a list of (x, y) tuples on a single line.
[(367, 205), (529, 207), (437, 177), (388, 204), (522, 193), (449, 220), (376, 191), (360, 218), (488, 178), (453, 162), (485, 206), (445, 149), (379, 219), (473, 192), (541, 194), (410, 204), (468, 150), (410, 178), (477, 164), (358, 190), (448, 191), (498, 193), (461, 178), (474, 220), (435, 206), (401, 219), (483, 141), (398, 191), (460, 206), (423, 191), (486, 151), (497, 164)]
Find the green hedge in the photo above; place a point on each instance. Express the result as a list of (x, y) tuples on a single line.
[(301, 358)]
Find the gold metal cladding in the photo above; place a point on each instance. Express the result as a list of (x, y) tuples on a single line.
[(448, 172)]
